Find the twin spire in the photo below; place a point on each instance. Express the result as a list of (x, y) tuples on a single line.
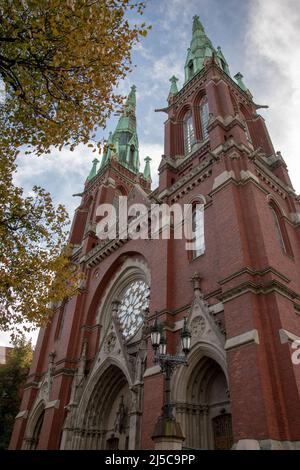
[(200, 50), (123, 142)]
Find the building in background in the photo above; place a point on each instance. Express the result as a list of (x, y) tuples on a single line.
[(93, 383), (4, 353)]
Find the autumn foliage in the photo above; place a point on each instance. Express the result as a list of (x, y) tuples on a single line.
[(59, 62)]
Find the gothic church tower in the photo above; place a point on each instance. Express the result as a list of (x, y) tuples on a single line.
[(94, 383)]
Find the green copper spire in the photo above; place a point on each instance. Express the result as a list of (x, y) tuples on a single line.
[(107, 151), (222, 61), (147, 170), (239, 78), (200, 50), (127, 121), (173, 88), (124, 141), (93, 171)]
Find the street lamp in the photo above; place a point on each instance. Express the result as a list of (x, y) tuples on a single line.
[(168, 362)]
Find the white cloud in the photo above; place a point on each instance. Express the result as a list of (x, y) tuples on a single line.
[(5, 338), (273, 63), (61, 173)]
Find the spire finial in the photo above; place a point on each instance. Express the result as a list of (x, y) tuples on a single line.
[(131, 99), (239, 78), (147, 169), (200, 49), (173, 88), (125, 139), (93, 171), (197, 24)]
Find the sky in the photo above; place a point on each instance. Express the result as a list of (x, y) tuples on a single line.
[(259, 38)]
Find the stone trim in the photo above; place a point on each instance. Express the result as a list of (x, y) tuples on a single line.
[(266, 444), (287, 337), (154, 370), (222, 178), (295, 217), (255, 272), (52, 404), (216, 308), (240, 340), (22, 414), (259, 288), (245, 175)]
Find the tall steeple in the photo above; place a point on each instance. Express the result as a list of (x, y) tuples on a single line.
[(200, 49), (147, 169), (93, 171), (124, 141)]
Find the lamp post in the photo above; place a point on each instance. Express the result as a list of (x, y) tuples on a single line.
[(167, 364)]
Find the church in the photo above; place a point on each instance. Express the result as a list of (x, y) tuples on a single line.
[(95, 381)]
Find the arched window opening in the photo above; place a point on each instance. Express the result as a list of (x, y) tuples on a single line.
[(223, 65), (189, 135), (247, 130), (37, 432), (245, 115), (61, 320), (281, 231), (116, 201), (131, 156), (198, 230), (204, 117), (191, 68), (279, 234)]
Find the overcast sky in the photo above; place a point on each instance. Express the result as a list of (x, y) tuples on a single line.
[(259, 38)]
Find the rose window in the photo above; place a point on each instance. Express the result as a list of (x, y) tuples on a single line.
[(134, 300)]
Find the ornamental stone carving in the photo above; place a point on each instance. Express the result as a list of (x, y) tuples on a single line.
[(110, 343), (198, 326)]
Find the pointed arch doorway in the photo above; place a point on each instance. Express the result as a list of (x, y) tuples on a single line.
[(204, 413), (106, 417)]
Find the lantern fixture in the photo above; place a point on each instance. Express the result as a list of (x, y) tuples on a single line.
[(162, 346), (185, 338), (155, 334)]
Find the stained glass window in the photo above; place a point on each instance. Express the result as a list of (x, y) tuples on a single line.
[(188, 133), (134, 301), (204, 117)]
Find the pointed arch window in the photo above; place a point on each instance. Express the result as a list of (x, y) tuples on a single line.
[(279, 233), (189, 135), (191, 68), (131, 156), (243, 113), (116, 201), (37, 432), (198, 230), (204, 117), (247, 132), (280, 230)]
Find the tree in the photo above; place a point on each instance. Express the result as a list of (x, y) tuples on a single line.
[(60, 62), (35, 267), (12, 378)]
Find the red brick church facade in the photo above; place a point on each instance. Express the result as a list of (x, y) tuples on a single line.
[(94, 383)]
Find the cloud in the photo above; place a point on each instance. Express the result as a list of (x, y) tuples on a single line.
[(154, 151), (273, 63), (62, 173), (5, 337)]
